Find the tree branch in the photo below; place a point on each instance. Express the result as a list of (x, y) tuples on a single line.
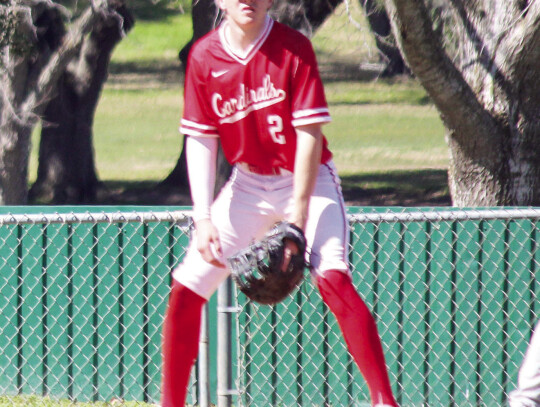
[(460, 109), (54, 68), (527, 33)]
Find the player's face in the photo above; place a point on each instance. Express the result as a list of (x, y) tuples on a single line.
[(245, 13)]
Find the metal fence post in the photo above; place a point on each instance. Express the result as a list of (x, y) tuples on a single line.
[(204, 361), (224, 360)]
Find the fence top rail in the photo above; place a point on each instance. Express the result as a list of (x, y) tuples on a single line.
[(97, 217), (184, 216), (446, 215)]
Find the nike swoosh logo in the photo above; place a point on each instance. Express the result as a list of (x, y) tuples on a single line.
[(217, 74)]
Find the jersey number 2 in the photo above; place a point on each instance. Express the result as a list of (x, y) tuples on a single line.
[(275, 123)]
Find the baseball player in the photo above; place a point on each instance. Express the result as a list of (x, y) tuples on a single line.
[(527, 393), (253, 85)]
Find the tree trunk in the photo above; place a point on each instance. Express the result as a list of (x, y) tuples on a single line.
[(483, 78), (20, 71), (305, 16), (14, 155), (66, 172), (380, 26), (204, 16), (32, 64)]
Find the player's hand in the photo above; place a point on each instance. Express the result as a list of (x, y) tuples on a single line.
[(208, 242), (290, 249)]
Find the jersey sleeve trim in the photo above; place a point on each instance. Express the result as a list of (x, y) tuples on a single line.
[(312, 120), (190, 128), (310, 112), (311, 116)]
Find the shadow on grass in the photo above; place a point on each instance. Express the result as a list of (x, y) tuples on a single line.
[(141, 193), (395, 188), (141, 76)]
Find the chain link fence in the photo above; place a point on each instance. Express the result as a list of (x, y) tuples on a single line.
[(83, 297), (455, 295), (454, 292)]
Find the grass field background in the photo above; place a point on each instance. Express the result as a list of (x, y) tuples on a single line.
[(379, 126)]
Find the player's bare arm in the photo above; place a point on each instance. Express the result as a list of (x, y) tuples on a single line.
[(306, 168)]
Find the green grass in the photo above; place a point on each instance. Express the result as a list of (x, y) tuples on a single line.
[(136, 134), (376, 127), (345, 27), (406, 92), (371, 138), (155, 40)]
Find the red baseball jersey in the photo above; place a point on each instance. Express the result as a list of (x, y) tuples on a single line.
[(253, 102)]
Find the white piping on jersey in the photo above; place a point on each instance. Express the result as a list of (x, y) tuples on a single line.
[(190, 128), (341, 202), (309, 112), (311, 120), (252, 49), (304, 117), (196, 125), (194, 133)]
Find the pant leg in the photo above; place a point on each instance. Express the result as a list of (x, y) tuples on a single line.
[(328, 232), (528, 392)]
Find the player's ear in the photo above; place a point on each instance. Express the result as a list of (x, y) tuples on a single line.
[(219, 4)]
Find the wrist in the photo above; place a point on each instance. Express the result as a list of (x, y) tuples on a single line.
[(199, 215), (299, 220)]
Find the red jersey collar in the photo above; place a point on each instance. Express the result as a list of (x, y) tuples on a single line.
[(252, 50)]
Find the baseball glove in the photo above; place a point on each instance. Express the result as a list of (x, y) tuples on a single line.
[(257, 269)]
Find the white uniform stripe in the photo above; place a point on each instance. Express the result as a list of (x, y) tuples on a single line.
[(337, 183), (310, 112), (189, 123), (196, 133), (311, 120)]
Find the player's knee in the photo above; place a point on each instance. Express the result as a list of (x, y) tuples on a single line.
[(339, 293)]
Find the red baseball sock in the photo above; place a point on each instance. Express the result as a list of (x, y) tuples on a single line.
[(360, 333), (180, 343)]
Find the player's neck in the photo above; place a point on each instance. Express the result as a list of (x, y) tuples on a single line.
[(242, 38)]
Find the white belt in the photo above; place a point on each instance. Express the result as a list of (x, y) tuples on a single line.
[(253, 169)]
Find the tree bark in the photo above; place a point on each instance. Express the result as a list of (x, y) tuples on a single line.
[(485, 92), (66, 171), (14, 156), (380, 26), (22, 60), (31, 69), (305, 16)]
